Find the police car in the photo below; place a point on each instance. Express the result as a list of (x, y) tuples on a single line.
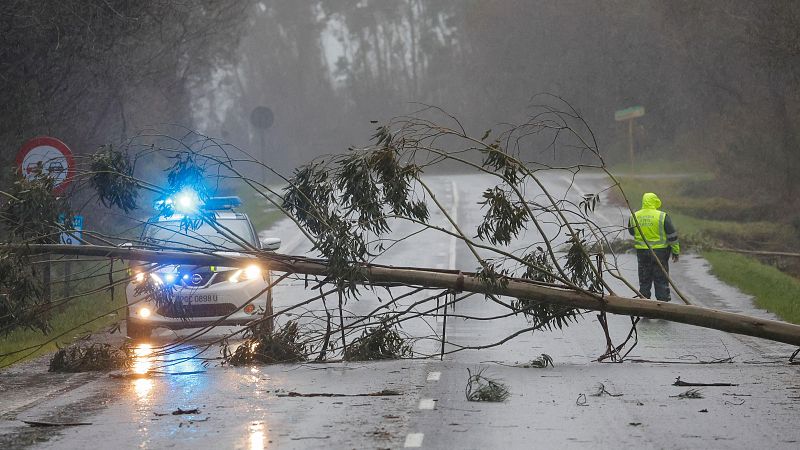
[(198, 296)]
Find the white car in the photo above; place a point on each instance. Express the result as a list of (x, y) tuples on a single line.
[(199, 295)]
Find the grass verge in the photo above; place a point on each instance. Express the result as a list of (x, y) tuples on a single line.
[(262, 213), (74, 314), (772, 289)]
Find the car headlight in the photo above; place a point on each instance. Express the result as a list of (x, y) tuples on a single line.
[(138, 277), (144, 312), (156, 279), (250, 272)]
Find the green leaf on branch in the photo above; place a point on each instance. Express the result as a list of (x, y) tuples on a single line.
[(112, 179)]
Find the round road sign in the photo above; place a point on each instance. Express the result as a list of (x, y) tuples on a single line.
[(49, 155), (262, 117)]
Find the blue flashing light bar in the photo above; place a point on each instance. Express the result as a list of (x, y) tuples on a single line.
[(222, 203)]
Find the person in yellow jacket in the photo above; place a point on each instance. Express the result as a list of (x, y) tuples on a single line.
[(655, 231)]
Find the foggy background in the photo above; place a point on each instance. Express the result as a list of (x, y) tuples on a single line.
[(718, 80)]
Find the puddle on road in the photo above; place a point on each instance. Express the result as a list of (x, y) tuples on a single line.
[(173, 371)]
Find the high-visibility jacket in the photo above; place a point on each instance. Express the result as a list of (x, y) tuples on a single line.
[(656, 226)]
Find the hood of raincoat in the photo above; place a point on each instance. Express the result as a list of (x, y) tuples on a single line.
[(650, 201)]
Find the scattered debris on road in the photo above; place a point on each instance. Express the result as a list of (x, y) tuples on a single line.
[(601, 390), (581, 400), (180, 411), (691, 393), (378, 343), (538, 363), (383, 393), (36, 423), (482, 389), (261, 346), (679, 382), (90, 357)]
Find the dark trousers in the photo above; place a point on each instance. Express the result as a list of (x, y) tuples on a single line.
[(651, 274)]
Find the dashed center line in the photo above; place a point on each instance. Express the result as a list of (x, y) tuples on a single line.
[(427, 403), (414, 440), (434, 376)]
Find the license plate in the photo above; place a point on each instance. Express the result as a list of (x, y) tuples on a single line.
[(197, 298)]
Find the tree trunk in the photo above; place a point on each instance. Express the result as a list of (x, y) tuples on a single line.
[(457, 281)]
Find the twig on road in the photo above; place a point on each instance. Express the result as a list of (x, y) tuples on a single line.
[(691, 393), (385, 392), (601, 390), (678, 382), (36, 423)]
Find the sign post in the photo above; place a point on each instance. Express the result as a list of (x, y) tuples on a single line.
[(49, 157), (72, 235), (628, 114), (262, 118)]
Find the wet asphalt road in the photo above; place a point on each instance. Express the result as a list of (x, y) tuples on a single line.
[(548, 408)]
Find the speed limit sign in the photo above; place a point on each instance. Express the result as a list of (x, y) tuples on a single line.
[(47, 156)]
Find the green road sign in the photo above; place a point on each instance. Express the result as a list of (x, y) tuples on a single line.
[(629, 113)]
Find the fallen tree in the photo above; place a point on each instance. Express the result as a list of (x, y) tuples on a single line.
[(540, 254)]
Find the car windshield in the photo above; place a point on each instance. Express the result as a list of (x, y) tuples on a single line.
[(226, 235)]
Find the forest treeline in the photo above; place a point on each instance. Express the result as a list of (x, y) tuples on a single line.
[(718, 80)]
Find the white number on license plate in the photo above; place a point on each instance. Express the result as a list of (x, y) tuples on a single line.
[(186, 299)]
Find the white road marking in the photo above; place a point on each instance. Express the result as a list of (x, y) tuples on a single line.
[(434, 376), (454, 216), (414, 440), (427, 403)]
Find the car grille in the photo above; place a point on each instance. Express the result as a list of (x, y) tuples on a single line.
[(203, 310), (198, 279)]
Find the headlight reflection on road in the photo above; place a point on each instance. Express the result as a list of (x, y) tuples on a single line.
[(258, 437), (142, 386), (142, 363), (142, 359)]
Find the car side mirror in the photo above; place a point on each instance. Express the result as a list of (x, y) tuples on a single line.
[(270, 243)]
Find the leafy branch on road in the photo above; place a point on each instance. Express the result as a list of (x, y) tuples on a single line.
[(281, 346), (481, 388), (90, 357)]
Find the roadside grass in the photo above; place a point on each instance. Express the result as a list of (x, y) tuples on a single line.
[(262, 213), (706, 232), (74, 314), (692, 195), (674, 166), (703, 218), (772, 289)]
